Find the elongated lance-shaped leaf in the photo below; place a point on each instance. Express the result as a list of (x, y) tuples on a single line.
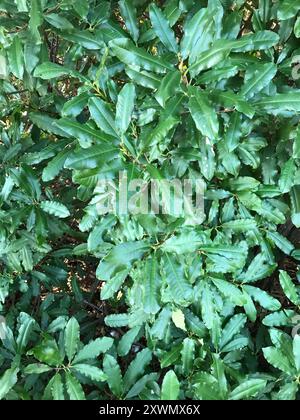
[(103, 116), (91, 158), (248, 389), (188, 355), (198, 31), (170, 386), (289, 287), (114, 376), (57, 388), (180, 289), (203, 114), (72, 338), (74, 388), (8, 380), (128, 12), (295, 201), (134, 56), (222, 48), (137, 367), (280, 102), (162, 28), (93, 349), (278, 360), (288, 9), (125, 106), (168, 86), (50, 70), (16, 57), (151, 286), (56, 209), (257, 78)]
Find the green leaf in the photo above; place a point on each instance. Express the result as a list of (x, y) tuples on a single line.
[(198, 31), (280, 319), (296, 351), (188, 355), (151, 286), (91, 158), (21, 5), (277, 359), (287, 176), (74, 388), (203, 114), (140, 385), (279, 102), (288, 9), (7, 381), (58, 21), (296, 145), (263, 298), (289, 288), (125, 106), (117, 320), (207, 387), (170, 386), (171, 357), (133, 56), (168, 86), (57, 388), (232, 328), (81, 8), (75, 106), (178, 319), (180, 290), (36, 368), (113, 373), (72, 338), (50, 70), (120, 257), (194, 324), (55, 166), (93, 349), (248, 389), (36, 20), (295, 202), (222, 48), (103, 116), (258, 269), (27, 325), (257, 78), (143, 78), (219, 373), (92, 372), (16, 58), (297, 28), (47, 351), (185, 242), (127, 341), (162, 28), (128, 12), (230, 291), (55, 209), (287, 392), (45, 123), (281, 242), (137, 367), (240, 225), (226, 258), (85, 39)]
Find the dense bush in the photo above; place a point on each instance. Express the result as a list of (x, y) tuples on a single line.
[(149, 306)]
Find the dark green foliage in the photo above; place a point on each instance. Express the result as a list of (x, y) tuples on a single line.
[(149, 306)]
